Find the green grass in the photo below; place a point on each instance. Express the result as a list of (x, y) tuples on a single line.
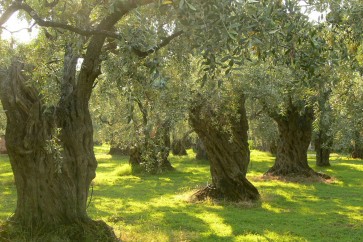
[(156, 208)]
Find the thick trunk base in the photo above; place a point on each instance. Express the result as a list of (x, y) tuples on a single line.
[(228, 153), (357, 153), (74, 232), (295, 173), (322, 143), (294, 138), (322, 157), (238, 191)]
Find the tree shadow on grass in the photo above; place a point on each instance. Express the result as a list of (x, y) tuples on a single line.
[(289, 211), (298, 216)]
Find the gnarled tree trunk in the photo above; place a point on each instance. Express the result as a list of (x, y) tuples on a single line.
[(51, 148), (51, 154), (228, 153), (295, 130)]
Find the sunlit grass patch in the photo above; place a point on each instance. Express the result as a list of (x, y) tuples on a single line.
[(123, 170), (102, 149)]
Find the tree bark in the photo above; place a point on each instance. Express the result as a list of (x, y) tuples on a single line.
[(357, 152), (322, 141), (3, 149), (273, 147), (178, 148), (228, 153), (322, 148), (295, 129), (135, 159), (165, 147), (200, 152), (51, 154), (51, 148)]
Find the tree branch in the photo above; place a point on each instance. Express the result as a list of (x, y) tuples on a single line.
[(90, 69), (165, 41), (8, 12), (122, 7), (84, 32)]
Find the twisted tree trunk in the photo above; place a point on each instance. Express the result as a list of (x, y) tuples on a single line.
[(295, 129), (51, 154), (228, 153), (51, 148)]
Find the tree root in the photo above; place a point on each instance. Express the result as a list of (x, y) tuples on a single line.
[(207, 192), (76, 232), (233, 195)]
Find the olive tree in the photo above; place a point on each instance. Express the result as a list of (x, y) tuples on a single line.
[(50, 145)]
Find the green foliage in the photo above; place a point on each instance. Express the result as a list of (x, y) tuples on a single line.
[(142, 97), (139, 207), (262, 129), (346, 104)]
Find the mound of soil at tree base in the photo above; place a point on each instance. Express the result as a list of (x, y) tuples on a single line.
[(3, 145)]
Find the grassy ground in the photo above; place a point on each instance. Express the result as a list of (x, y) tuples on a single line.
[(156, 208)]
